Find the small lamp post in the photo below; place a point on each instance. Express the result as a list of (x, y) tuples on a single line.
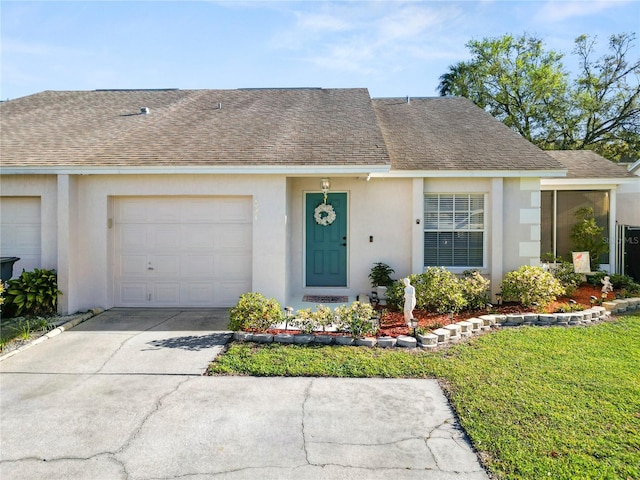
[(288, 316), (451, 316), (414, 324), (499, 298), (593, 299)]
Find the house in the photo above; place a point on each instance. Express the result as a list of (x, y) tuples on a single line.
[(166, 198)]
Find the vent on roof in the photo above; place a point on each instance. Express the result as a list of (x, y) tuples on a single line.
[(144, 110)]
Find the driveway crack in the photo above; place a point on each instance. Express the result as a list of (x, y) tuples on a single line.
[(304, 435)]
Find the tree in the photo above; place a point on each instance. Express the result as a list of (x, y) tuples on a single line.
[(520, 83)]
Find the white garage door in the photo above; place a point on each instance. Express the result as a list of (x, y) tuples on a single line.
[(188, 252), (20, 231)]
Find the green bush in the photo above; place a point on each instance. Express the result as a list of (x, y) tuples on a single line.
[(439, 290), (356, 319), (475, 289), (623, 282), (596, 278), (529, 285), (567, 276), (34, 293), (308, 320), (255, 312)]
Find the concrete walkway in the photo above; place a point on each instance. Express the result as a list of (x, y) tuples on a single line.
[(122, 396)]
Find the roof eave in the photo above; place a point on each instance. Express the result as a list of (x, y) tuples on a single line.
[(473, 173), (586, 181), (212, 170)]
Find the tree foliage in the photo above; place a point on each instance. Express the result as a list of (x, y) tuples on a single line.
[(526, 87)]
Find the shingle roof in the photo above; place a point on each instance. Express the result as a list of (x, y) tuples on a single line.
[(588, 164), (453, 134), (186, 128)]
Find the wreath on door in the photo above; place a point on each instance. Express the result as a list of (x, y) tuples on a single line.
[(324, 214)]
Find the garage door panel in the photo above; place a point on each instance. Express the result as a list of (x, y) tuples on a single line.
[(229, 292), (198, 294), (133, 264), (133, 238), (232, 266), (199, 265), (199, 237), (164, 237), (183, 251), (165, 293), (163, 265), (234, 237), (202, 210), (133, 292), (236, 210)]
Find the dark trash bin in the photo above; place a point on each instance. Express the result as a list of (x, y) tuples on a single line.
[(7, 267)]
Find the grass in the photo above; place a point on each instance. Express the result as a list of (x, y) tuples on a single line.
[(20, 328), (561, 403)]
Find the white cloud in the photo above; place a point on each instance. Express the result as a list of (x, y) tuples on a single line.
[(556, 11), (368, 37)]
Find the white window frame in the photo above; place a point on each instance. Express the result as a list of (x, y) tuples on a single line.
[(469, 226)]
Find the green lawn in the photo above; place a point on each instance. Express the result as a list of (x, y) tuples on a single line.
[(559, 403)]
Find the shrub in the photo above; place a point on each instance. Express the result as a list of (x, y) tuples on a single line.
[(475, 289), (34, 293), (254, 312), (587, 236), (569, 307), (323, 317), (625, 283), (380, 275), (439, 290), (529, 285), (596, 278), (567, 276), (356, 319)]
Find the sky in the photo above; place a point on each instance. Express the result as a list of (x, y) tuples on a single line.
[(393, 48)]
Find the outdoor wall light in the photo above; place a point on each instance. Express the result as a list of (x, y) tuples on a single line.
[(325, 185)]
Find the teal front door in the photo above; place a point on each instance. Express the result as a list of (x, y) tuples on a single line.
[(326, 245)]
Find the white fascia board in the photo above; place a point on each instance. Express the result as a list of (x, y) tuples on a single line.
[(182, 170), (471, 173), (574, 183)]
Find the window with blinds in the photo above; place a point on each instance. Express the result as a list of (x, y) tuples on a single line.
[(454, 230)]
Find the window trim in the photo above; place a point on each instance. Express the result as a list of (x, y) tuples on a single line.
[(483, 230)]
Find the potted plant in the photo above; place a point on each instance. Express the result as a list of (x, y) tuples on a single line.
[(380, 277)]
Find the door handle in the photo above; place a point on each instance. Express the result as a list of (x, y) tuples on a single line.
[(150, 268), (343, 244)]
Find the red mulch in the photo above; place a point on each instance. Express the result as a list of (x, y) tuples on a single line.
[(393, 324)]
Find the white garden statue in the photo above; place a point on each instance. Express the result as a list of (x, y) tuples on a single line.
[(409, 300), (606, 285)]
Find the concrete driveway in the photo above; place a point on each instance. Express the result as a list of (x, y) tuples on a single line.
[(122, 396)]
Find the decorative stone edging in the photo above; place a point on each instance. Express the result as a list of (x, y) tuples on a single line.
[(455, 332)]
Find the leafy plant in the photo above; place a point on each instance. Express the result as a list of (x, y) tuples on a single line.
[(550, 257), (304, 321), (567, 276), (587, 236), (323, 317), (380, 275), (255, 312), (625, 283), (529, 285), (569, 307), (596, 278), (34, 293), (475, 289), (356, 319)]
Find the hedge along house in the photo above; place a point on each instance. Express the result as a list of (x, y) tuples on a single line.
[(189, 198)]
